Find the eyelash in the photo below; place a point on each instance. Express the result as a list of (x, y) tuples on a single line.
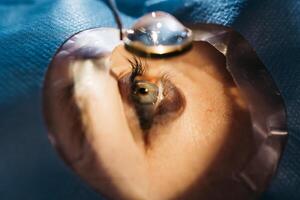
[(137, 68)]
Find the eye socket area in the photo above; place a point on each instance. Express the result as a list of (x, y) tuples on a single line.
[(156, 100)]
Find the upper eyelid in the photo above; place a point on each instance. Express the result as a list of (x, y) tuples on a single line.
[(138, 68)]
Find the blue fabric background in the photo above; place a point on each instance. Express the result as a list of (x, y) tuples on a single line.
[(32, 30)]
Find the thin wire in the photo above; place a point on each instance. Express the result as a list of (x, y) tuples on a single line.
[(113, 7)]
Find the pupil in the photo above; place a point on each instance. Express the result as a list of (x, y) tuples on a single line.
[(143, 90)]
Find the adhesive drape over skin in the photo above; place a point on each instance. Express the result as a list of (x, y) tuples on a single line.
[(218, 139)]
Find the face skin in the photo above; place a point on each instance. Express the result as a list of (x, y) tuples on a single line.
[(193, 150)]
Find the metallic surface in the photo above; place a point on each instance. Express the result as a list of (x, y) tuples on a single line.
[(264, 100)]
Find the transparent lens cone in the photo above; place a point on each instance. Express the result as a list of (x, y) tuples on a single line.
[(158, 33)]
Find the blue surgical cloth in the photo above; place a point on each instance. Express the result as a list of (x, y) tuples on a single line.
[(32, 30)]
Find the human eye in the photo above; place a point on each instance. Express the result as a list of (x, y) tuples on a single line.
[(155, 98)]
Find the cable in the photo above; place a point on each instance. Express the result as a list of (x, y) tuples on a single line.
[(113, 7)]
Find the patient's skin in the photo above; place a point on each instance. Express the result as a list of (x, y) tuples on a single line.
[(197, 154)]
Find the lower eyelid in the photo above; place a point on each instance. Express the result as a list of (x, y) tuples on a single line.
[(173, 101)]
